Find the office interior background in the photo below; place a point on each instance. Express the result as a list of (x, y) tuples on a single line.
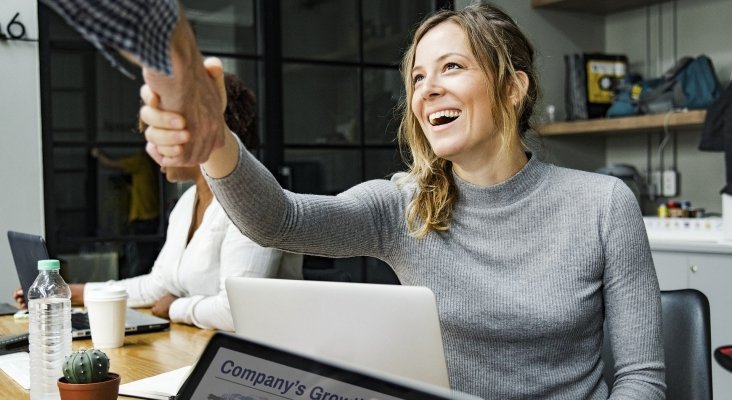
[(325, 73), (325, 104)]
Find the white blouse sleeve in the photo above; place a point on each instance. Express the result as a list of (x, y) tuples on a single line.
[(239, 257), (143, 290)]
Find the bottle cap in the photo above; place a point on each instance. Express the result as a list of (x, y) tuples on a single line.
[(49, 265)]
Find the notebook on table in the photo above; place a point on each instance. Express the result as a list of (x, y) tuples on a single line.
[(232, 367), (27, 249), (388, 328)]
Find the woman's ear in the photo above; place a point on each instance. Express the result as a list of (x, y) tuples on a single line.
[(519, 87)]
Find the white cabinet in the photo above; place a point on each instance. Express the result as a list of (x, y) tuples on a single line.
[(710, 273)]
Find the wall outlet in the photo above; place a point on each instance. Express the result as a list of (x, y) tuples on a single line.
[(665, 183), (655, 188), (670, 183)]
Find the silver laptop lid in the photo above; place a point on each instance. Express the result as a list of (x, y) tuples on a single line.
[(388, 328)]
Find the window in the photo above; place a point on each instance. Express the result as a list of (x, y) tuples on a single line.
[(326, 107)]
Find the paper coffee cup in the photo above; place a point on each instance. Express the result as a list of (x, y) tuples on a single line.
[(107, 307)]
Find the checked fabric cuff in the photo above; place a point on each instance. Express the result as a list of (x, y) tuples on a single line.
[(140, 27)]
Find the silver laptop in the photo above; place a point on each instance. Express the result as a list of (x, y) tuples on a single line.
[(27, 249), (384, 328)]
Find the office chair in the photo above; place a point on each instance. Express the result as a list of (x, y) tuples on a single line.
[(687, 345)]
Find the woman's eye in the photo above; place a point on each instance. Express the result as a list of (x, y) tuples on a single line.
[(417, 78), (451, 66)]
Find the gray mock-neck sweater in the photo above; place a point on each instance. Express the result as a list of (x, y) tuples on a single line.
[(524, 278)]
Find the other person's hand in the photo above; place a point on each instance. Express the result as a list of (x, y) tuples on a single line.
[(169, 133), (19, 300), (77, 293), (192, 93), (162, 306)]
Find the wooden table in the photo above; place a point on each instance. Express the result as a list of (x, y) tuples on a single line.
[(142, 356)]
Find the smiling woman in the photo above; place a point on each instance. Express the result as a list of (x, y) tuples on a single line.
[(466, 113), (524, 278)]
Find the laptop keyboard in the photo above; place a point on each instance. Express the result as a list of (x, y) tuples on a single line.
[(13, 343)]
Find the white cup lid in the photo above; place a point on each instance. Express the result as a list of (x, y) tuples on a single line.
[(112, 292)]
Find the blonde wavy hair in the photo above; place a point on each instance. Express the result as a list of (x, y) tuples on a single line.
[(501, 50)]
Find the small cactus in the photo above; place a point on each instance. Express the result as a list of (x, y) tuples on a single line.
[(86, 366)]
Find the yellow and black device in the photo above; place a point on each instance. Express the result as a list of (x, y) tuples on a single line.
[(605, 73)]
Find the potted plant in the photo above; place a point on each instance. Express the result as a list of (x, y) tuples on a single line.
[(87, 377)]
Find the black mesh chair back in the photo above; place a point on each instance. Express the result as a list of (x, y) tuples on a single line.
[(687, 345)]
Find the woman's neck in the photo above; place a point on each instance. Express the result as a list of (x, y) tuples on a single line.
[(495, 169), (203, 191), (204, 196)]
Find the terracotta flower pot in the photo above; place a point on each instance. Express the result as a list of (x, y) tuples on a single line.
[(105, 390)]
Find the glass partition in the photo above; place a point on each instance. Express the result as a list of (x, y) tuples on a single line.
[(325, 73), (387, 28), (223, 26), (321, 104), (320, 30)]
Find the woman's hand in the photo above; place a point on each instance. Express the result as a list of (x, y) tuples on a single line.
[(171, 139), (19, 299), (77, 293), (162, 306)]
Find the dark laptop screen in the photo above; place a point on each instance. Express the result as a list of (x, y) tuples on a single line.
[(27, 249), (235, 368)]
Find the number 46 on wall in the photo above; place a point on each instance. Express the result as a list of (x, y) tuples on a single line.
[(14, 29)]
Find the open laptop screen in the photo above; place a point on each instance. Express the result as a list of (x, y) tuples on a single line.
[(27, 249), (232, 367)]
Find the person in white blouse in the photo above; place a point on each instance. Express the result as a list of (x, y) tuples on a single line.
[(202, 247)]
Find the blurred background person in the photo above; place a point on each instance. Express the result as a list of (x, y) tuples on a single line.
[(144, 213)]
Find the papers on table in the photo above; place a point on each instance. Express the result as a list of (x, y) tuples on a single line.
[(158, 387), (17, 366)]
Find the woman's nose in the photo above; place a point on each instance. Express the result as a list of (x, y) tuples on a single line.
[(431, 87)]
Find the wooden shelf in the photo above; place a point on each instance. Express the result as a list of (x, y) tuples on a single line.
[(593, 6), (642, 123)]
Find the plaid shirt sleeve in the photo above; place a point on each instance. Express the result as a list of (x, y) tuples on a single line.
[(140, 27)]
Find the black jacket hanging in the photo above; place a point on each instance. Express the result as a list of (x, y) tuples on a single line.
[(717, 132)]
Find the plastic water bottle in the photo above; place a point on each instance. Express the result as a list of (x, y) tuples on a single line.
[(49, 340)]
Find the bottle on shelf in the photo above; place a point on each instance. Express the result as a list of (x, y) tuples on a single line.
[(49, 339)]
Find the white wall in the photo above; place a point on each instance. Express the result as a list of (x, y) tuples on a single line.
[(21, 172), (702, 27)]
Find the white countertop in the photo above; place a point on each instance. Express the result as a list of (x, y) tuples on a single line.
[(723, 247), (703, 235)]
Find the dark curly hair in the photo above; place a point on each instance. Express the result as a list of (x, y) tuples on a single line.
[(241, 111)]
